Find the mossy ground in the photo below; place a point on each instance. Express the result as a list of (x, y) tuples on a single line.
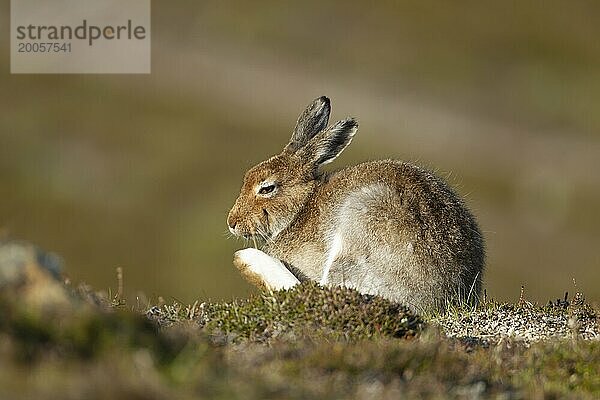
[(308, 342)]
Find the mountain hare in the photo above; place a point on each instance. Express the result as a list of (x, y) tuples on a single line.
[(382, 227)]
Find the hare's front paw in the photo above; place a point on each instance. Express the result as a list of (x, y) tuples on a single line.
[(263, 270)]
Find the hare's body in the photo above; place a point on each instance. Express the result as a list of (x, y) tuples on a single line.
[(382, 227), (386, 228)]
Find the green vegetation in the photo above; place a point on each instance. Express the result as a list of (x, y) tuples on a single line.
[(308, 342), (308, 311)]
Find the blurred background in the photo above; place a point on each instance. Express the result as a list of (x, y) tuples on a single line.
[(139, 171)]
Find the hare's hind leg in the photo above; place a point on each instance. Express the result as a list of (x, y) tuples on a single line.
[(263, 270)]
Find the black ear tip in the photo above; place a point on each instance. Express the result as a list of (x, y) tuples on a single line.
[(323, 99), (349, 123), (320, 106)]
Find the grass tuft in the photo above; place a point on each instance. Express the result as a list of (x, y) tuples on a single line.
[(306, 310)]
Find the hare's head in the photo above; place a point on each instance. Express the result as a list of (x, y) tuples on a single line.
[(274, 191)]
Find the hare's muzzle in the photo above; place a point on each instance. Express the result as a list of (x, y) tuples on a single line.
[(232, 222)]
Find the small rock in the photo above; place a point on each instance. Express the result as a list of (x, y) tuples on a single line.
[(31, 276)]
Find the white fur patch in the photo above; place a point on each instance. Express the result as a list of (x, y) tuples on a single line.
[(334, 251), (273, 272)]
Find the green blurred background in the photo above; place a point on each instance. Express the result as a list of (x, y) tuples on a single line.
[(139, 171)]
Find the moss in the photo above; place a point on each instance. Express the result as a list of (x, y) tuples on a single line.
[(307, 310), (308, 342)]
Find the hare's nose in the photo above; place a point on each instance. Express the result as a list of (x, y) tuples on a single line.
[(231, 222)]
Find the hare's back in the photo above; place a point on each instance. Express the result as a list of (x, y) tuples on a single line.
[(390, 205)]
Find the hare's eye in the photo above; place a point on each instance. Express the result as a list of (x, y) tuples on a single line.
[(266, 189)]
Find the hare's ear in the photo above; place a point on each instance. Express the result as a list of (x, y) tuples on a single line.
[(329, 144), (312, 121)]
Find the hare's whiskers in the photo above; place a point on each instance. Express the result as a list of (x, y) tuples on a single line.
[(268, 240)]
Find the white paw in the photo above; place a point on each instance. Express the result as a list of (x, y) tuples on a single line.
[(254, 263)]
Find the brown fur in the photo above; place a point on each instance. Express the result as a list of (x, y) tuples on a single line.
[(384, 227)]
